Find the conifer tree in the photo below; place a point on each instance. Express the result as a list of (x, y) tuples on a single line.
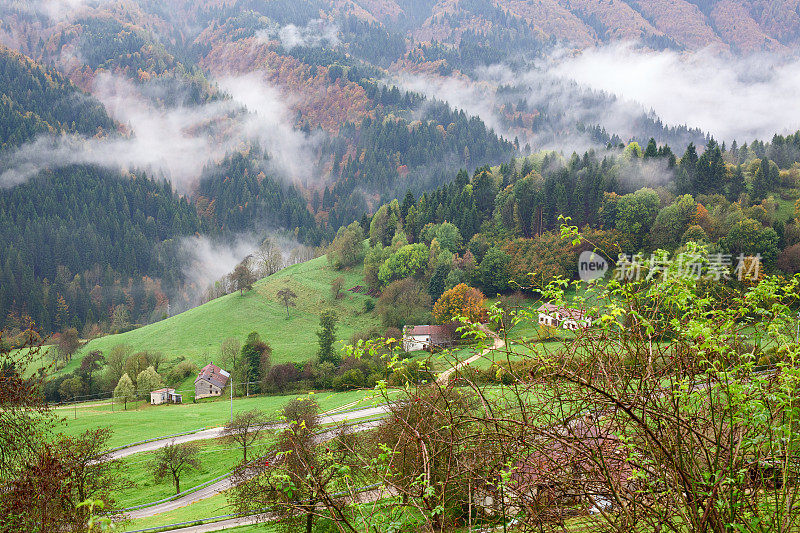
[(327, 336)]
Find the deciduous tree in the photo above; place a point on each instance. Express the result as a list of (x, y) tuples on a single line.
[(327, 336), (287, 296), (336, 288), (147, 381), (460, 301), (173, 460), (245, 428), (493, 272), (243, 277), (124, 391), (347, 249), (68, 343), (297, 478), (409, 261), (256, 358), (269, 258)]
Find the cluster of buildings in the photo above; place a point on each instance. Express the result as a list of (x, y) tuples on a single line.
[(210, 382), (212, 379), (437, 337)]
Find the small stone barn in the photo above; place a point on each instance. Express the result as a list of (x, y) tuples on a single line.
[(210, 382)]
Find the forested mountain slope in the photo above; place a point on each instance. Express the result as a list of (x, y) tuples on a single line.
[(295, 117), (36, 100)]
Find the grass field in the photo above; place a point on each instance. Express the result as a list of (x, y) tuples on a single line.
[(144, 421), (216, 459), (198, 332)]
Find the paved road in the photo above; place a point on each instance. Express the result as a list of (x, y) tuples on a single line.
[(363, 497), (225, 484), (214, 433), (202, 494), (218, 526)]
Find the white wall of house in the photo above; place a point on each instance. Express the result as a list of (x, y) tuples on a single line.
[(412, 343), (547, 320), (567, 323)]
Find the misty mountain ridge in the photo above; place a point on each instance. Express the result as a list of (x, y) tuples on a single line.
[(301, 117)]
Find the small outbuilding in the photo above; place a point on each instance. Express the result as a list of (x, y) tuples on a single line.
[(210, 382), (165, 396)]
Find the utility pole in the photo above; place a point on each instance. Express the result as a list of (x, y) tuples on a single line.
[(231, 398)]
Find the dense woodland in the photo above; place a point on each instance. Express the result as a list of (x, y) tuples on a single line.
[(69, 233), (110, 241), (37, 100), (493, 230)]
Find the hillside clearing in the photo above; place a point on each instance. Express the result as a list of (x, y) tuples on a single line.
[(197, 333)]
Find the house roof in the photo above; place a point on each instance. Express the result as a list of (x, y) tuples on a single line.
[(583, 450), (575, 314), (437, 333), (214, 375), (162, 390)]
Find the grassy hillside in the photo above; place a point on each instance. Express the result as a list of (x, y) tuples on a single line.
[(198, 333)]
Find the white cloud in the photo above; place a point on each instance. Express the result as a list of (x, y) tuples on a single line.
[(175, 141), (63, 9), (207, 261), (473, 97), (317, 32), (730, 97), (270, 122), (616, 85)]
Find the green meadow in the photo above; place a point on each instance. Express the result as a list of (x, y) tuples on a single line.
[(142, 421), (198, 332), (216, 458)]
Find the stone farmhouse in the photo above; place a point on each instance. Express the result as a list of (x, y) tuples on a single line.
[(210, 382), (428, 337)]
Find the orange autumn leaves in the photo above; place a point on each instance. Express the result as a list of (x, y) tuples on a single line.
[(461, 300)]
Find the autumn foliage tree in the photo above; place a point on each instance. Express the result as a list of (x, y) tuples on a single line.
[(460, 301), (68, 343)]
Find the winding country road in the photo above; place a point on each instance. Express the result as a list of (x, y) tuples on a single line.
[(225, 483), (498, 344)]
